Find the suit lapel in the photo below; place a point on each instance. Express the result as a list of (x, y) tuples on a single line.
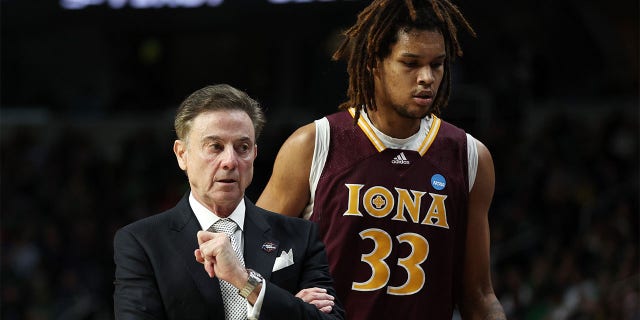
[(183, 229), (260, 248)]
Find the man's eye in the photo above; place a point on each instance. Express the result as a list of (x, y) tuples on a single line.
[(410, 64), (243, 148), (436, 65), (215, 147)]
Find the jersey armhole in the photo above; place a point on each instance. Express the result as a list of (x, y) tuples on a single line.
[(320, 151), (472, 159)]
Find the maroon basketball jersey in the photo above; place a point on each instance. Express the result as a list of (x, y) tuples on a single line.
[(394, 220)]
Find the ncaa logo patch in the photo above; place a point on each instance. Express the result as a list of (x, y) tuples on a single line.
[(438, 182), (269, 246)]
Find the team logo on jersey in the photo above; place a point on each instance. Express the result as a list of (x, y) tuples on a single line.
[(438, 182), (400, 159)]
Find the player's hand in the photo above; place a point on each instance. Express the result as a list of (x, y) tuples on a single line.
[(219, 259), (317, 297)]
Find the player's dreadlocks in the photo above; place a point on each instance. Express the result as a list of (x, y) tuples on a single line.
[(370, 39)]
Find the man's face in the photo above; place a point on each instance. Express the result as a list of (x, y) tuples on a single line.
[(218, 157), (407, 81)]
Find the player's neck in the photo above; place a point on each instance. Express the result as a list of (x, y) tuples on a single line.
[(392, 124)]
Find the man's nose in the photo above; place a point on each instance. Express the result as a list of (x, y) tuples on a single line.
[(229, 159), (425, 76)]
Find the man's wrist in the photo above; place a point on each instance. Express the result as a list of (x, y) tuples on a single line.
[(254, 280)]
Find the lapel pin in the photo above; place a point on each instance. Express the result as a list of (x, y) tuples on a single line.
[(269, 247)]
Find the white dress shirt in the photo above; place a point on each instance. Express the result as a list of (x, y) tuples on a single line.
[(206, 218)]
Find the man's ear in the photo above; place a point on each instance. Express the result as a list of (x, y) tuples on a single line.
[(180, 150), (375, 69), (255, 152)]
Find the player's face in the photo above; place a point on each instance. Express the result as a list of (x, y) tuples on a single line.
[(407, 81), (218, 157)]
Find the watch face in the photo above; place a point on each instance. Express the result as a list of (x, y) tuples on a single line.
[(255, 277)]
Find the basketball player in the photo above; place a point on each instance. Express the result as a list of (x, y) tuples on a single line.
[(401, 197)]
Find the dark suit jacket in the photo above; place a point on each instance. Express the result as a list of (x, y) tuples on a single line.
[(158, 277)]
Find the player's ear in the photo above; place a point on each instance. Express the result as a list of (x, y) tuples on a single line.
[(374, 70)]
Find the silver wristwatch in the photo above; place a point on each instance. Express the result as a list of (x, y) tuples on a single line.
[(254, 280)]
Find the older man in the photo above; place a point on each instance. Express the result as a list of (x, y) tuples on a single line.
[(250, 263)]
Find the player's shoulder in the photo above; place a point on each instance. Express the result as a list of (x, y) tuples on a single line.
[(304, 134), (449, 126), (449, 134), (341, 118)]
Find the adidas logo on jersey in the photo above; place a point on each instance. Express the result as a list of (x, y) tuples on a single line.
[(400, 159)]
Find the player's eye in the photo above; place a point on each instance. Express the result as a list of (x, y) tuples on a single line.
[(410, 64)]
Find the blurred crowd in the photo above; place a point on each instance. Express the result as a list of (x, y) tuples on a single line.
[(564, 218), (62, 199)]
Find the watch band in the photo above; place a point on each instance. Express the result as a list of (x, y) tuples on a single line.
[(254, 280)]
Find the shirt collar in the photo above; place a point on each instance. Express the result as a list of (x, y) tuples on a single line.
[(206, 218), (411, 143)]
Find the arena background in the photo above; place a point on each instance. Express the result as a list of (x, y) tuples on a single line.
[(88, 95)]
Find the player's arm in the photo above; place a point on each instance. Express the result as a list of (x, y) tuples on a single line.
[(287, 191), (479, 301)]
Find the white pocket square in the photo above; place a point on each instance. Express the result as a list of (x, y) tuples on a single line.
[(284, 260)]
